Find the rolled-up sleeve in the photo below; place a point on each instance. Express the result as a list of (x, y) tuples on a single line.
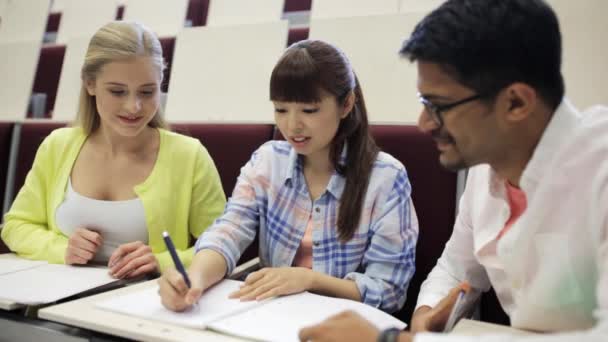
[(236, 228)]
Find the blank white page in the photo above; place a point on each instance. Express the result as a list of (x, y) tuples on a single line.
[(282, 318), (222, 73), (10, 263), (49, 283), (70, 83), (321, 9), (213, 305), (23, 20), (164, 17), (372, 44), (234, 12), (82, 18), (18, 62)]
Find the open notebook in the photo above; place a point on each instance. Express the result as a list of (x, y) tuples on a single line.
[(277, 319), (38, 282)]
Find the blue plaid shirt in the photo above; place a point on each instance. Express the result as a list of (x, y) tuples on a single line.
[(271, 196)]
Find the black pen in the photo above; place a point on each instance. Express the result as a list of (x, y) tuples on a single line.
[(178, 263)]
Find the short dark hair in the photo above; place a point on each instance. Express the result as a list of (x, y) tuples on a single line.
[(487, 45)]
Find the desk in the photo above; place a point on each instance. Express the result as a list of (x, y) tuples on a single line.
[(6, 304), (477, 328), (83, 313)]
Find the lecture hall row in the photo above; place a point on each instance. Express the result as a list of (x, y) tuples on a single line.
[(435, 206)]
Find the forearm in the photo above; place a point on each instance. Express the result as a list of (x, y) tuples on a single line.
[(34, 241), (210, 266), (331, 286)]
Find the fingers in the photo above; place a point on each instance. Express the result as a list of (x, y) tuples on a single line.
[(82, 246), (123, 250), (174, 293), (447, 302), (144, 268), (263, 291), (128, 252), (311, 333), (72, 259), (193, 295), (176, 281), (321, 331), (139, 258), (169, 295), (437, 317), (254, 277), (252, 282), (89, 235)]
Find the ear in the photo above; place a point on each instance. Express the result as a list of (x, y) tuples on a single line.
[(520, 101), (90, 85), (349, 104)]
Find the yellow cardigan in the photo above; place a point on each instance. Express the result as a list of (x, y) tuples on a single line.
[(182, 194)]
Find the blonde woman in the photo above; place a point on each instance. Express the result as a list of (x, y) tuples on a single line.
[(105, 189)]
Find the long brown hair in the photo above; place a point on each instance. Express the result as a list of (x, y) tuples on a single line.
[(306, 68), (117, 40)]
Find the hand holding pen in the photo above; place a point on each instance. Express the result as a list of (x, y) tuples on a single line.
[(436, 319), (175, 287)]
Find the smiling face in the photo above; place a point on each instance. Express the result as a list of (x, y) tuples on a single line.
[(127, 95), (471, 133), (310, 127)]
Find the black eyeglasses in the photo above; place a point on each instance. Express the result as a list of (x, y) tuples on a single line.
[(436, 111)]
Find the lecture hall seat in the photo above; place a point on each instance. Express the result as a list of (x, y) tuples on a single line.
[(32, 135), (6, 131), (230, 146)]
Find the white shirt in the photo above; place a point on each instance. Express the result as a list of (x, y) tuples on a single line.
[(550, 270), (118, 222)]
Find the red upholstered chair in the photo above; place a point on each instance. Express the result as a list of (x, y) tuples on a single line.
[(230, 146), (168, 45), (197, 12), (297, 34), (6, 132), (433, 193), (52, 24), (297, 5), (48, 73), (32, 135)]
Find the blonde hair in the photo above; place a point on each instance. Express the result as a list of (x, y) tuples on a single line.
[(117, 40)]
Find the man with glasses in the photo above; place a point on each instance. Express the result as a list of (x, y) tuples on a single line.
[(533, 219)]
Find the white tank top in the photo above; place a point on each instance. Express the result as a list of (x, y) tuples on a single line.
[(118, 222)]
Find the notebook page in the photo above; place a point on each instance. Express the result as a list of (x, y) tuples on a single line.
[(49, 283), (10, 263), (213, 305), (282, 318)]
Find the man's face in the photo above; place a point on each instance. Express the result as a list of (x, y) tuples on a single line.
[(470, 133)]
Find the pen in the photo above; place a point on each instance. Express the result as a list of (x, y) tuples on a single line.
[(178, 263), (455, 313)]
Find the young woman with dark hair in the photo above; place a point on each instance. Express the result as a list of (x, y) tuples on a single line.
[(334, 215)]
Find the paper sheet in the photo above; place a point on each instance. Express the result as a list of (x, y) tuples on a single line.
[(282, 318), (49, 283), (11, 263), (213, 305)]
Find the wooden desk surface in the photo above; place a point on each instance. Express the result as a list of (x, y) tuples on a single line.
[(84, 314)]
